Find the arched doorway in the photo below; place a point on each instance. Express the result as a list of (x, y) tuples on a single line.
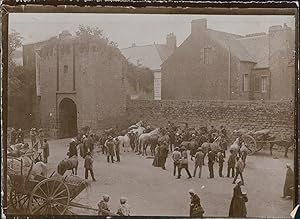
[(67, 118)]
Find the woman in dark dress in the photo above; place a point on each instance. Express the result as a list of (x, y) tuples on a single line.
[(196, 209), (237, 205), (156, 161), (289, 182)]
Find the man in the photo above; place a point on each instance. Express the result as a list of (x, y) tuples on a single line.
[(231, 164), (32, 136), (199, 156), (184, 163), (289, 182), (73, 148), (117, 148), (176, 160), (13, 136), (163, 154), (124, 209), (131, 139), (41, 136), (85, 145), (239, 170), (211, 161), (196, 209), (237, 205), (20, 136), (220, 159), (90, 143), (109, 144), (46, 152), (88, 165), (103, 208)]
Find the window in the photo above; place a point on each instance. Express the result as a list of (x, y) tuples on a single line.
[(207, 53), (246, 83), (257, 84), (65, 69), (264, 84)]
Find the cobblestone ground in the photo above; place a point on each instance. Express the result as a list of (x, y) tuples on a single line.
[(153, 191)]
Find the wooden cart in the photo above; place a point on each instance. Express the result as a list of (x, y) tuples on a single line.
[(42, 195)]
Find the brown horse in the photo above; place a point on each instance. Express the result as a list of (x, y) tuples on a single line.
[(68, 164), (282, 143)]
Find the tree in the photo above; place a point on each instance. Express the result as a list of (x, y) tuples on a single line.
[(14, 42)]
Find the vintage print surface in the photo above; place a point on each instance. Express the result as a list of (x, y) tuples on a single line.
[(151, 114)]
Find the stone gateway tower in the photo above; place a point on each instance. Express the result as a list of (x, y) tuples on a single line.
[(81, 82)]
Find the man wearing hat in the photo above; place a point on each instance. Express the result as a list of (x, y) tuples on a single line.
[(124, 209), (41, 136), (184, 163), (32, 136), (199, 156), (103, 208), (88, 165), (109, 144), (46, 152), (73, 148), (176, 155)]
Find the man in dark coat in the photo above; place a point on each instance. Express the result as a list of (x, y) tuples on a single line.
[(199, 157), (117, 148), (163, 154), (237, 205), (110, 147), (231, 164), (46, 151), (289, 182), (131, 139), (196, 209), (88, 165), (220, 159), (211, 161), (73, 148)]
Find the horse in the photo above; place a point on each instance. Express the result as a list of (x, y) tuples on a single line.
[(124, 141), (282, 143), (190, 145), (214, 146), (144, 140), (68, 164), (137, 132), (38, 168)]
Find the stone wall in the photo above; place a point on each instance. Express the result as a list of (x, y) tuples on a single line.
[(256, 115)]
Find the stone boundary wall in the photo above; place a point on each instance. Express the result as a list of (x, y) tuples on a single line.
[(278, 116)]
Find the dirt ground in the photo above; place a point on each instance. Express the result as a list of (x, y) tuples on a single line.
[(154, 191)]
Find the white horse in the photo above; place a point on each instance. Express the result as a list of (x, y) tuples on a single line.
[(144, 140), (124, 141)]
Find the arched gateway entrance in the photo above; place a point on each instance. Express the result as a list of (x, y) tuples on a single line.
[(67, 118)]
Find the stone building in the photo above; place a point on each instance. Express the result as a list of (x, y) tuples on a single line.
[(151, 57), (214, 65), (81, 82)]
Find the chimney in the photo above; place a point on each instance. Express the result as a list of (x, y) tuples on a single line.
[(198, 26), (64, 35), (171, 41)]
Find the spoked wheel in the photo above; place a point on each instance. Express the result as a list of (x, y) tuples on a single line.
[(49, 197), (17, 200), (250, 143)]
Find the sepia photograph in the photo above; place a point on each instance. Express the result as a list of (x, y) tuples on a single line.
[(132, 114)]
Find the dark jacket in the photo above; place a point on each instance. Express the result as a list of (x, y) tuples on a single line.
[(289, 182), (237, 205), (73, 149), (211, 157), (163, 151), (196, 209), (88, 162), (231, 160)]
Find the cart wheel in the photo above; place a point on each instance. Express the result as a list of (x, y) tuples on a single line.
[(49, 197), (18, 200), (250, 143)]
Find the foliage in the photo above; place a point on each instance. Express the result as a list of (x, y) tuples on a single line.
[(140, 75), (14, 42)]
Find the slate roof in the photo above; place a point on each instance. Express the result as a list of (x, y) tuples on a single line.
[(150, 56), (232, 42), (258, 48)]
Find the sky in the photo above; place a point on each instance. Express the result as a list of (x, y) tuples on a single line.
[(141, 29)]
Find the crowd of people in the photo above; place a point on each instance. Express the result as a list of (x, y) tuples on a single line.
[(181, 144)]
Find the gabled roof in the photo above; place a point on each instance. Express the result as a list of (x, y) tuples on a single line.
[(230, 41), (150, 56), (258, 48)]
